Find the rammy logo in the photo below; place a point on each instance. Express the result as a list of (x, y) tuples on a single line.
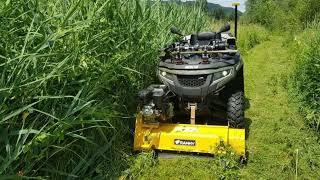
[(184, 142)]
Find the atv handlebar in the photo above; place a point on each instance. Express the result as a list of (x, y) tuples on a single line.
[(225, 28), (175, 30)]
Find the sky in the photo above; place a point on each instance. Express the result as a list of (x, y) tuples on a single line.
[(228, 3)]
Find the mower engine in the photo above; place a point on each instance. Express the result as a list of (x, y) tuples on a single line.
[(153, 104)]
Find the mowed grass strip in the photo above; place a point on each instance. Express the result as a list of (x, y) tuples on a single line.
[(279, 143)]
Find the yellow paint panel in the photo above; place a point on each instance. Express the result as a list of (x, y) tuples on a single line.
[(187, 138)]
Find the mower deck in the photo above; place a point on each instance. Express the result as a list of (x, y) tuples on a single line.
[(208, 139)]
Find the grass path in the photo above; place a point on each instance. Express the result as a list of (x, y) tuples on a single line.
[(278, 137), (280, 145)]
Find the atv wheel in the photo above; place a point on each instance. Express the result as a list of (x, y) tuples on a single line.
[(235, 110)]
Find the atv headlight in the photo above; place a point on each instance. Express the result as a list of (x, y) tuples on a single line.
[(221, 74), (165, 74), (225, 73), (166, 77)]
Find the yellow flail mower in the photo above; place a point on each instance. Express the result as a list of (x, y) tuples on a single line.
[(199, 108), (207, 139)]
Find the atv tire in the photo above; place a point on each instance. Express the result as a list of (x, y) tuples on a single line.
[(235, 110)]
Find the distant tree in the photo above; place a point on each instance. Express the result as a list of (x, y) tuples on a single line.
[(218, 13), (283, 14)]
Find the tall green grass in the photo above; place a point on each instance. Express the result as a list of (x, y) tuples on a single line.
[(69, 71), (305, 80)]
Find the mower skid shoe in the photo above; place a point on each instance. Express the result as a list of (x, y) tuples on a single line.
[(206, 139)]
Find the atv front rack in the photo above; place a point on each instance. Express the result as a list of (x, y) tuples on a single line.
[(206, 139), (204, 52)]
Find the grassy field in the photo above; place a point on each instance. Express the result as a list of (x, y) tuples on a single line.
[(279, 144)]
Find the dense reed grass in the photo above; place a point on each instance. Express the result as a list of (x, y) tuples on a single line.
[(69, 73)]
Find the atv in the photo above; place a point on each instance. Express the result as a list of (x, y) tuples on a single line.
[(205, 68), (200, 105)]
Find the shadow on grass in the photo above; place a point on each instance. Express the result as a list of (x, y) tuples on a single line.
[(247, 120), (246, 103)]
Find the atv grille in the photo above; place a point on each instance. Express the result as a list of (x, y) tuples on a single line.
[(192, 81)]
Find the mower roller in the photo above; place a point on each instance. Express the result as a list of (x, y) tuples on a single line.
[(199, 108)]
